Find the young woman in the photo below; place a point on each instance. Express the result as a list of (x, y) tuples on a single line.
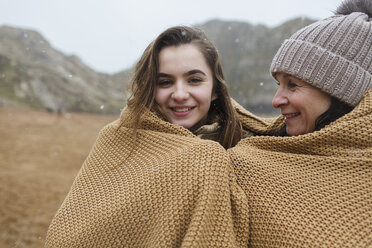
[(313, 187), (180, 77), (149, 180)]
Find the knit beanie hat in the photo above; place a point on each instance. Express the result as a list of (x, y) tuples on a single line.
[(334, 55)]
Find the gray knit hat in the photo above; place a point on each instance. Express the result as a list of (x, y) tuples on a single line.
[(334, 55)]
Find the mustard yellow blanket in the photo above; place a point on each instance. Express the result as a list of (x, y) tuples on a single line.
[(174, 190), (312, 190)]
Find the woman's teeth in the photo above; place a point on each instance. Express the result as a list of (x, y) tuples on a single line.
[(291, 115), (181, 109)]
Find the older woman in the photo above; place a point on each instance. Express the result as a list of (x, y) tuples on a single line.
[(313, 187)]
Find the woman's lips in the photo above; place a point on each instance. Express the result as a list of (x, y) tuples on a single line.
[(288, 117), (181, 111)]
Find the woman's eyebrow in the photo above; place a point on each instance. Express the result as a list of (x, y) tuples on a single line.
[(285, 75), (194, 72), (161, 74)]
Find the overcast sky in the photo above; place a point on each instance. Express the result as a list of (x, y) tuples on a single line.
[(110, 35)]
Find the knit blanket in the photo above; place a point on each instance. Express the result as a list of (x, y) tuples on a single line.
[(312, 190), (168, 189)]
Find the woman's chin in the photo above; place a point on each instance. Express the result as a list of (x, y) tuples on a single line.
[(293, 131)]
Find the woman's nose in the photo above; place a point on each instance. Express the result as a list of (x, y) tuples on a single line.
[(180, 92), (279, 99)]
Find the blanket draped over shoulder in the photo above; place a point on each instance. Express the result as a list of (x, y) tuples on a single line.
[(169, 188), (312, 190)]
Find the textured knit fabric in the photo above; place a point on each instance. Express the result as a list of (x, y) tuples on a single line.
[(173, 190), (312, 190), (209, 131), (334, 55)]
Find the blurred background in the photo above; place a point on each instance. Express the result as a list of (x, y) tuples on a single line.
[(64, 67)]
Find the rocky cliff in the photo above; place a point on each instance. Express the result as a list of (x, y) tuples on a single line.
[(35, 74)]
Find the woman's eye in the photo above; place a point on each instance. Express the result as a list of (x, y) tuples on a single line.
[(292, 85), (195, 80), (164, 83)]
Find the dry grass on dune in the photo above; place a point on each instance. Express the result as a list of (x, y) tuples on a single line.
[(40, 154)]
